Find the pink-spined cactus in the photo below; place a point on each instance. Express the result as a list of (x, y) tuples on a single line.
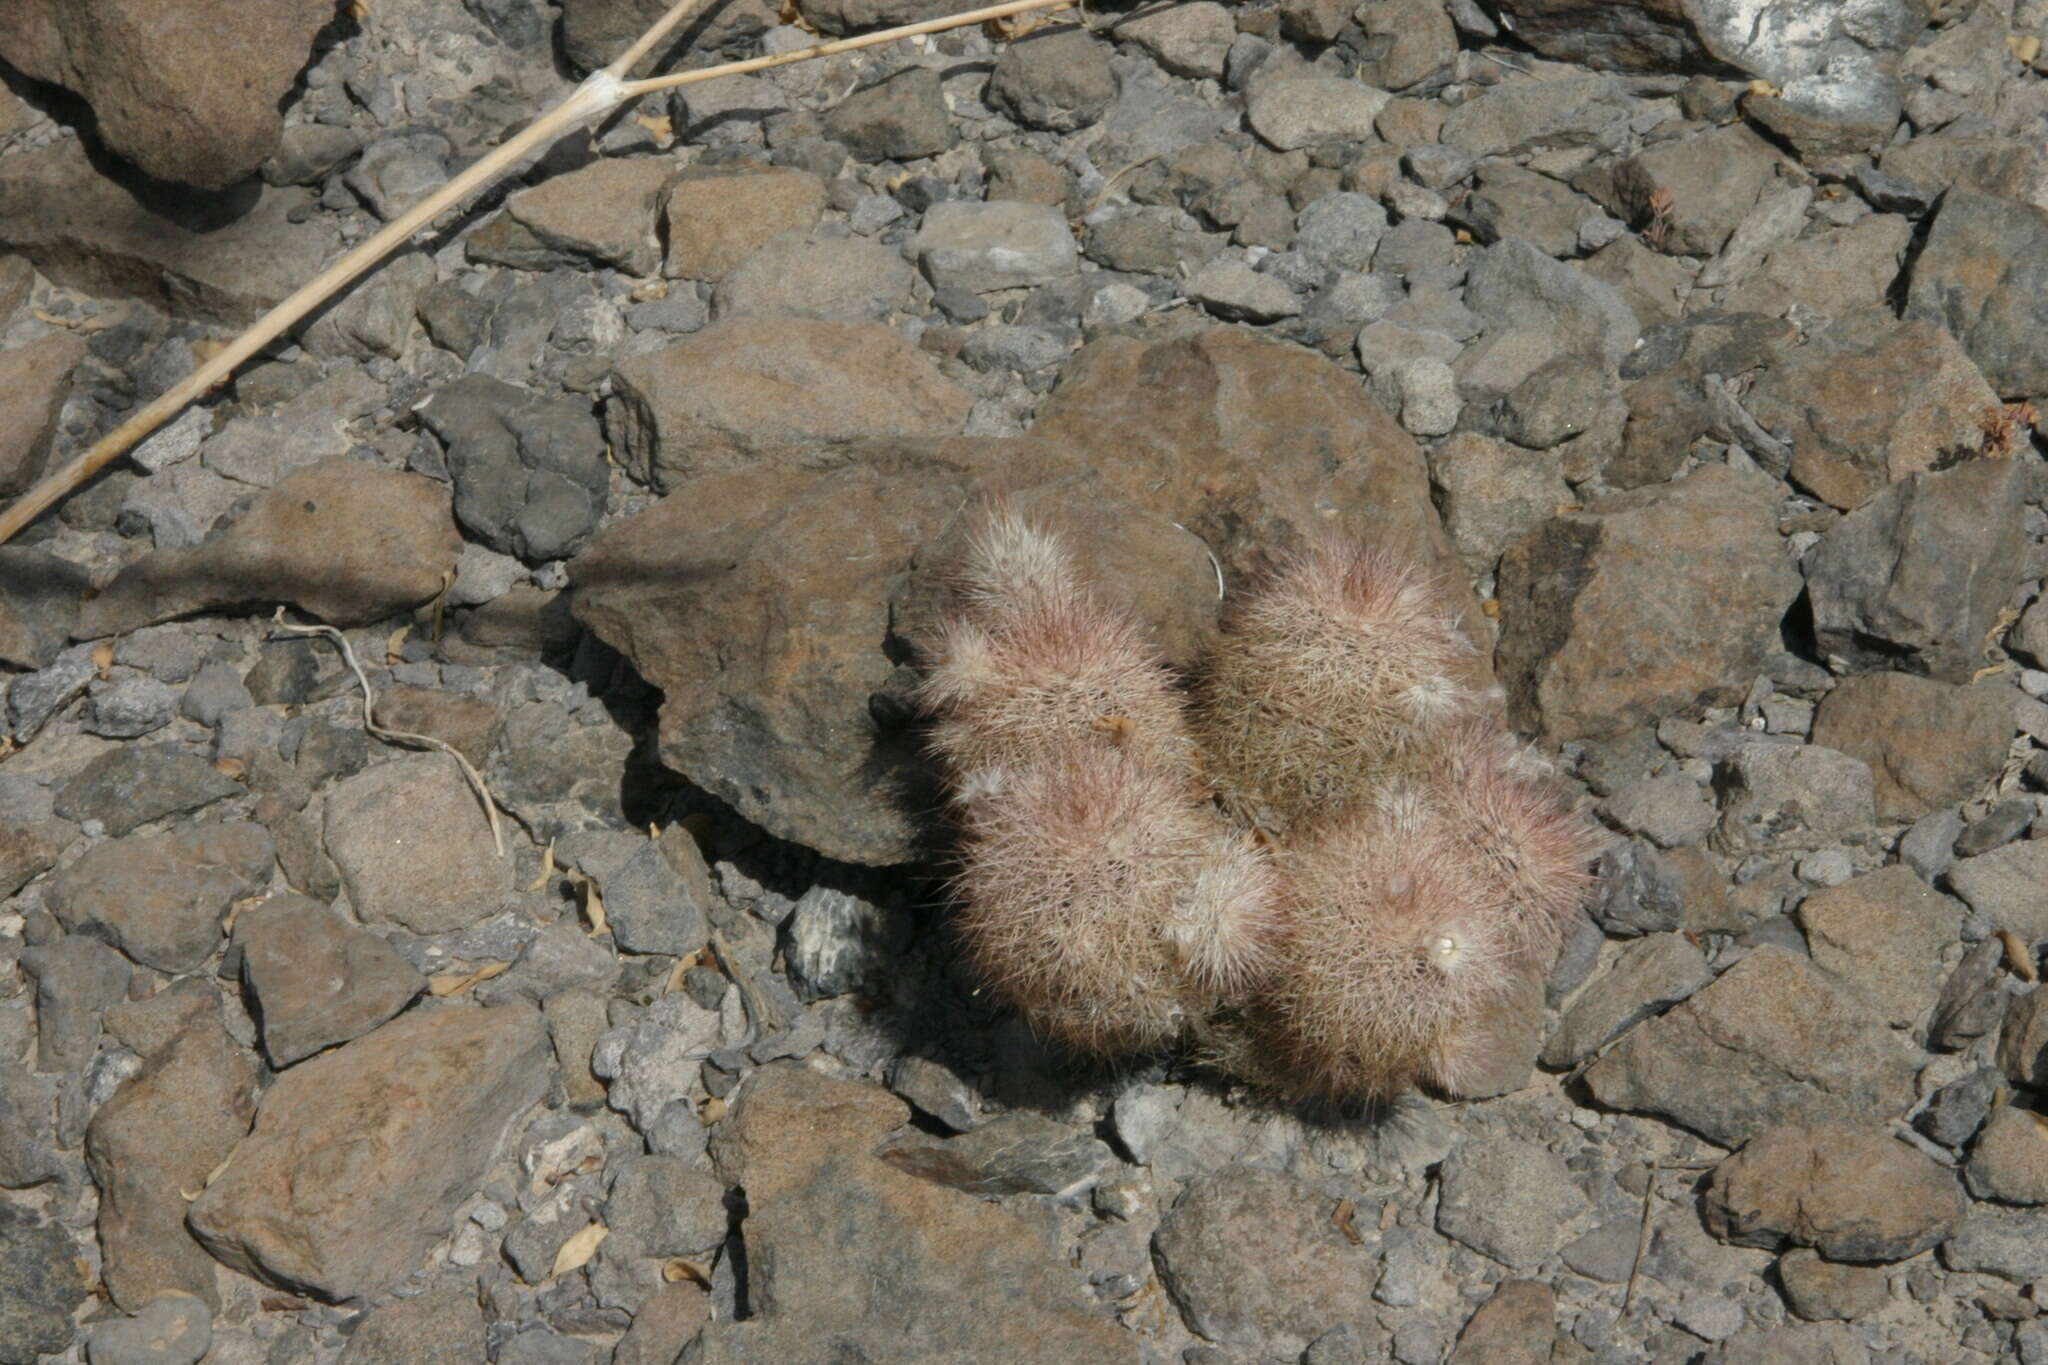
[(1326, 873), (1339, 668)]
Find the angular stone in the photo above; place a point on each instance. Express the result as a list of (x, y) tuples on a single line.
[(414, 846), (2004, 886), (359, 1158), (440, 1327), (899, 118), (1508, 1199), (40, 596), (1833, 273), (84, 230), (1791, 796), (2023, 1039), (1406, 41), (1601, 632), (1871, 401), (160, 898), (76, 978), (843, 279), (985, 247), (1013, 1154), (749, 390), (1521, 115), (942, 1273), (1187, 40), (158, 1138), (604, 211), (1983, 275), (657, 895), (176, 1329), (345, 541), (2010, 1161), (834, 943), (1508, 201), (1883, 933), (186, 92), (1493, 494), (42, 1283), (1514, 286), (1648, 975), (1306, 111), (1913, 578), (1514, 1327), (317, 980), (1929, 744), (1769, 1041), (670, 1206), (139, 784), (1235, 292), (1670, 811), (1818, 1289), (1310, 1276), (715, 222), (2007, 1242), (1849, 1190), (466, 724), (1058, 79), (530, 473), (1712, 179), (34, 378)]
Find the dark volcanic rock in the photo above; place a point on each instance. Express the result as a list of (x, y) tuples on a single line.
[(530, 472)]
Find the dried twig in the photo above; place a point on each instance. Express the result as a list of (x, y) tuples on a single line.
[(598, 95), (476, 779)]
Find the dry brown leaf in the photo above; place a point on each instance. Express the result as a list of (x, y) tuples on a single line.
[(455, 983), (103, 658), (1490, 609), (2025, 46), (712, 1110), (593, 901), (675, 1270), (649, 291), (547, 868), (1763, 87), (2018, 956), (1988, 671), (658, 126), (1346, 1211), (577, 1251), (234, 769), (394, 648)]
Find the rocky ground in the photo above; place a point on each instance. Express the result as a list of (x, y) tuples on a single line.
[(1697, 339)]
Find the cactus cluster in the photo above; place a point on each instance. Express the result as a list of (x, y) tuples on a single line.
[(1320, 864)]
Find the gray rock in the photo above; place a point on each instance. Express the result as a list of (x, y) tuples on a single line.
[(1235, 1217), (530, 473), (2009, 1243), (1013, 1154), (985, 247), (1770, 1040), (533, 1243), (561, 957), (670, 1207), (215, 690), (28, 1153), (2004, 886), (936, 1090), (317, 980), (130, 708), (729, 112), (396, 172), (1912, 578), (1513, 285), (1508, 1199), (32, 698), (604, 211), (1187, 40), (654, 1059), (1307, 111), (1647, 976), (1980, 275), (306, 152), (1791, 796), (135, 785), (176, 1329), (1492, 493), (160, 898), (1972, 1001), (1929, 846), (1818, 1289), (440, 1327), (76, 978), (846, 279), (1929, 744), (1884, 934), (834, 943), (414, 847), (1429, 396), (1057, 79), (39, 597), (1234, 291), (1518, 116), (1669, 811), (2010, 1161), (657, 894), (41, 1285), (899, 118), (1955, 1112), (1639, 890)]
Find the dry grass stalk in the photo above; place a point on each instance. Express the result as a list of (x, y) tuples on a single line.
[(598, 95)]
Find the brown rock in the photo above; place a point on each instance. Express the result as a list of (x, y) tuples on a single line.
[(1928, 743), (717, 221), (1872, 401), (160, 897), (186, 89), (468, 725), (349, 543), (1713, 180), (414, 846), (156, 1140), (662, 1327), (1883, 934), (1819, 1290), (1643, 604), (1848, 1190), (604, 211), (2023, 1040), (1833, 273), (317, 980), (359, 1158), (1652, 282), (751, 389), (790, 1120), (2010, 1161), (1978, 275), (1770, 1041), (34, 379), (1514, 1327), (27, 851), (1493, 494), (1310, 1278), (443, 1326)]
